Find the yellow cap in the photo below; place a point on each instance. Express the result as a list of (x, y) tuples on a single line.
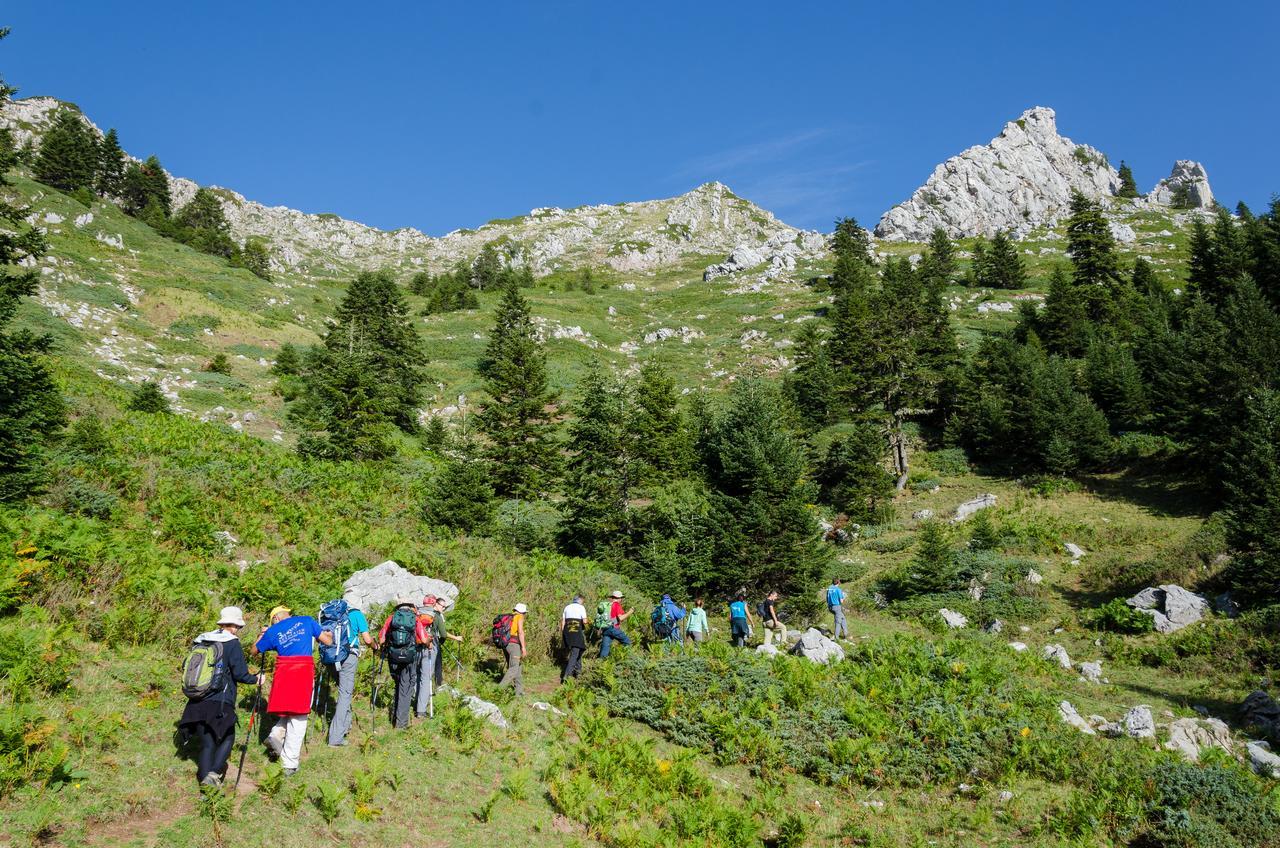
[(277, 611)]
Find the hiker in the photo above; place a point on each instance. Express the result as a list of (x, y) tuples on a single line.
[(508, 635), (773, 626), (401, 635), (209, 677), (427, 655), (612, 630), (293, 638), (666, 620), (695, 625), (441, 632), (739, 619), (351, 629), (835, 603), (573, 635)]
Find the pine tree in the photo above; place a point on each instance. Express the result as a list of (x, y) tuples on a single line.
[(1116, 383), (1144, 279), (459, 495), (852, 473), (764, 532), (347, 409), (1128, 187), (487, 273), (288, 363), (982, 532), (1095, 265), (850, 242), (110, 166), (811, 386), (517, 418), (977, 271), (933, 568), (1003, 267), (372, 322), (939, 263), (1253, 502), (602, 469), (656, 426), (148, 398), (219, 365), (145, 189), (68, 157), (203, 225), (32, 413), (255, 257), (1063, 324)]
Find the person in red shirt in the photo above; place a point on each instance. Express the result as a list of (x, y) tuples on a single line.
[(402, 638), (614, 633)]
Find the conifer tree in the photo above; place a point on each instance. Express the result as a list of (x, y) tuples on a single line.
[(219, 365), (1116, 383), (148, 398), (487, 272), (288, 363), (601, 470), (939, 263), (203, 225), (346, 411), (1003, 267), (1090, 245), (68, 157), (517, 417), (1064, 323), (982, 532), (934, 566), (811, 386), (32, 413), (255, 257), (1264, 252), (852, 473), (1144, 279), (459, 496), (1128, 187), (656, 426), (146, 187), (1253, 501), (110, 166), (977, 273)]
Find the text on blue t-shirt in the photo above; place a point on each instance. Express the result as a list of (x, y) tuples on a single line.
[(738, 609), (293, 637), (835, 596)]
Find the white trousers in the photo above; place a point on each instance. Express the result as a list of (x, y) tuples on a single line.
[(780, 634), (290, 731)]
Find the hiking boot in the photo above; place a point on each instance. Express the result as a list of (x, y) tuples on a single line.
[(341, 744), (212, 779), (290, 772)]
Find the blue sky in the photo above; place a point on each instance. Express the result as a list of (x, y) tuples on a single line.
[(440, 116)]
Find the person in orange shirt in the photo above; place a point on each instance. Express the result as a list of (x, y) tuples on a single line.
[(515, 650)]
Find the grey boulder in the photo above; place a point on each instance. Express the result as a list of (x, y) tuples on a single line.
[(1170, 606), (388, 582), (1058, 654), (1264, 762), (952, 618), (815, 647), (970, 507), (1189, 736), (1139, 723)]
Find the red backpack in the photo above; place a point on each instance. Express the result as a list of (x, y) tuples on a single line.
[(502, 630)]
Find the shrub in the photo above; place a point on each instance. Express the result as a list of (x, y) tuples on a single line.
[(526, 525), (149, 398), (1117, 616), (951, 462)]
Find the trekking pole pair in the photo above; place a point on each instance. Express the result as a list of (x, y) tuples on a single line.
[(248, 734), (373, 699)]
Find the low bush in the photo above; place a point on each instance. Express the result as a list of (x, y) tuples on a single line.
[(1117, 616), (951, 462)]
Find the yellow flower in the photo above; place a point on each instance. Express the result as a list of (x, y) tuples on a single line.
[(957, 668), (664, 766), (874, 691), (1025, 732)]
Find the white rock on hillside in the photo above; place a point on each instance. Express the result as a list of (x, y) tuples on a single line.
[(1170, 606), (388, 582), (1187, 178), (1139, 723), (1188, 736), (815, 647), (1022, 179), (1091, 671), (1264, 762), (477, 706), (1058, 654), (952, 618), (1073, 718), (968, 508)]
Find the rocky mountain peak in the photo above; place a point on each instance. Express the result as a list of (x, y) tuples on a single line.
[(1186, 187), (1021, 179)]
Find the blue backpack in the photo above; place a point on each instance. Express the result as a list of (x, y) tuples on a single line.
[(662, 620), (333, 617)]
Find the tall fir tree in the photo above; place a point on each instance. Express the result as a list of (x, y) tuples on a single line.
[(1128, 186), (1003, 267), (1144, 279), (657, 427), (346, 411), (811, 385), (203, 224), (852, 473), (939, 263), (32, 413), (460, 496), (111, 165), (976, 273), (1063, 326), (518, 418), (68, 158), (1092, 248), (601, 470), (145, 189), (1253, 502)]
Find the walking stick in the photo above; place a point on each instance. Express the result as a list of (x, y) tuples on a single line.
[(373, 699), (248, 734)]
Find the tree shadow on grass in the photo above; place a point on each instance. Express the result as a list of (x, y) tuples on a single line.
[(1159, 491)]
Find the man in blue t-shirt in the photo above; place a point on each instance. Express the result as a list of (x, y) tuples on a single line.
[(835, 603), (293, 638), (357, 634)]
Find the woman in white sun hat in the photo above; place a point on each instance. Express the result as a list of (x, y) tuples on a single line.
[(214, 665)]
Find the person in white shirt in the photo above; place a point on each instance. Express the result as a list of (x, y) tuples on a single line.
[(573, 635)]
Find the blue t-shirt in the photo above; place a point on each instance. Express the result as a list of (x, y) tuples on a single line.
[(738, 609), (293, 637), (835, 596), (356, 624)]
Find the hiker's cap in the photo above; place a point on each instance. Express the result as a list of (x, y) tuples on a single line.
[(231, 615), (280, 610), (429, 601), (616, 594), (521, 608)]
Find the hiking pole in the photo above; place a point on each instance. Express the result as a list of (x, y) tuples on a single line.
[(373, 699), (257, 699)]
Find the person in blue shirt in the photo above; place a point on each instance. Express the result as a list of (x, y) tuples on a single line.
[(739, 620), (357, 635), (677, 614), (835, 603), (293, 638)]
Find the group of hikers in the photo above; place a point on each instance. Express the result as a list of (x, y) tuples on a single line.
[(410, 644)]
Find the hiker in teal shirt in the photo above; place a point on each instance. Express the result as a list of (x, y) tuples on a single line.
[(835, 603), (739, 620), (695, 624)]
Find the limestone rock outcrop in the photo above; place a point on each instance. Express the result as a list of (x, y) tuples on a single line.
[(1186, 187), (1023, 178), (388, 582)]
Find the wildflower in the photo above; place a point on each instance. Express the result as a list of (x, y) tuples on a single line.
[(664, 766), (1025, 732)]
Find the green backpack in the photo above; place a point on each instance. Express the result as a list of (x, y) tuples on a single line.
[(203, 671), (603, 620)]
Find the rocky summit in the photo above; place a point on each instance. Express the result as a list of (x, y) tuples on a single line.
[(1021, 180)]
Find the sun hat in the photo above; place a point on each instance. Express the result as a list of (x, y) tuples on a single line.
[(521, 608), (617, 593), (277, 611), (231, 615)]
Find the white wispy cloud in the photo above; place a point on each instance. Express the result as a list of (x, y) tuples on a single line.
[(724, 162)]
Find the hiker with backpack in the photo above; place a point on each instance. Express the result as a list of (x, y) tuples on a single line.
[(214, 665), (773, 626), (293, 638), (695, 625), (665, 619), (835, 603), (441, 632), (401, 636), (739, 619), (508, 636), (427, 655), (350, 631), (609, 623), (573, 635)]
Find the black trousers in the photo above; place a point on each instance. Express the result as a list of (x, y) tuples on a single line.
[(214, 751), (573, 664), (440, 665), (406, 678)]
